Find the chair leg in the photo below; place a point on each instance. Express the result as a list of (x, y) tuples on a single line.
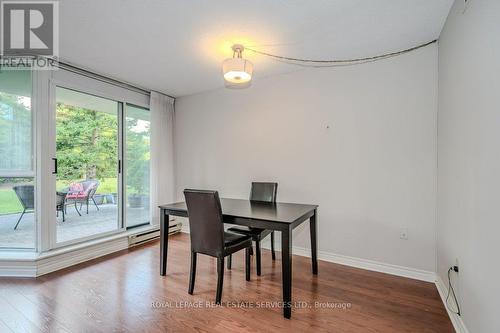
[(95, 203), (251, 250), (220, 279), (272, 246), (20, 217), (192, 274), (63, 213), (87, 206), (247, 264), (76, 208), (229, 261), (257, 255)]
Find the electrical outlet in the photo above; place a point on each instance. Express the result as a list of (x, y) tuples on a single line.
[(404, 234), (457, 262)]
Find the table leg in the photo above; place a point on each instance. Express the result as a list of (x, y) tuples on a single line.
[(314, 243), (286, 268), (163, 241)]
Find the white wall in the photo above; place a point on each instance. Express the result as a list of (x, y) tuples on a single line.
[(469, 159), (372, 172)]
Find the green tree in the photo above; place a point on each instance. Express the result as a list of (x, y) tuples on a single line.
[(137, 157), (15, 132), (87, 143)]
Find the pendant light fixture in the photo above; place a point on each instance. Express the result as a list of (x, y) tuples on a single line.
[(237, 71)]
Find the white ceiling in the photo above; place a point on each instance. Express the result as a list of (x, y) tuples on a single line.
[(177, 47)]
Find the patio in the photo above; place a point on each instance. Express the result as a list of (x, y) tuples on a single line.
[(74, 227)]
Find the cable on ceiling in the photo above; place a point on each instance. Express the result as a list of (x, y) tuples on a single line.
[(337, 62)]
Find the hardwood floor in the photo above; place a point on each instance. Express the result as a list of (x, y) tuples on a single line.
[(124, 292)]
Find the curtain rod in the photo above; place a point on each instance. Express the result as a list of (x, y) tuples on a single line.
[(66, 65), (103, 78)]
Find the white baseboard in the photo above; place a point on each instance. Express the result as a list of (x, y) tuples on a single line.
[(67, 259), (18, 269), (61, 259), (367, 264), (370, 265), (456, 320), (33, 264), (185, 228)]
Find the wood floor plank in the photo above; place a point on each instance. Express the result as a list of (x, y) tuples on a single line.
[(15, 320), (44, 320), (124, 292)]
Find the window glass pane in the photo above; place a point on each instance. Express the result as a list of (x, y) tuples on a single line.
[(17, 218), (15, 121), (137, 154), (17, 184)]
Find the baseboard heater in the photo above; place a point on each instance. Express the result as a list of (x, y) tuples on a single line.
[(149, 236)]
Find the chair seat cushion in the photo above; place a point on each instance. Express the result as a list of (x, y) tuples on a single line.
[(76, 196), (235, 242), (255, 233), (232, 238)]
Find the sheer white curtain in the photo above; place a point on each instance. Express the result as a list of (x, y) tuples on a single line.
[(162, 153)]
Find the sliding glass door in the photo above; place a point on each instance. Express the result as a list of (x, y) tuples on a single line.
[(88, 165), (101, 161)]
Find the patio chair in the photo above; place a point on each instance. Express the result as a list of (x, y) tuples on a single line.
[(82, 193), (26, 195), (61, 204)]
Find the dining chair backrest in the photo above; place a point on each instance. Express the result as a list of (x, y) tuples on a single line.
[(263, 192), (206, 226), (26, 195)]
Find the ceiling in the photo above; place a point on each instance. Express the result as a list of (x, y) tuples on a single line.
[(177, 47)]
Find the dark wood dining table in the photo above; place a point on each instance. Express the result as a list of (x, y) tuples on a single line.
[(283, 217)]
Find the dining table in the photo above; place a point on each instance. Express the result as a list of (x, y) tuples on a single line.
[(278, 216)]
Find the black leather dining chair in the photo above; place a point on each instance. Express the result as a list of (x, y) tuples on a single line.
[(260, 192), (208, 236)]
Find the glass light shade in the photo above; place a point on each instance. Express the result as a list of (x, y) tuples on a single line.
[(237, 72)]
